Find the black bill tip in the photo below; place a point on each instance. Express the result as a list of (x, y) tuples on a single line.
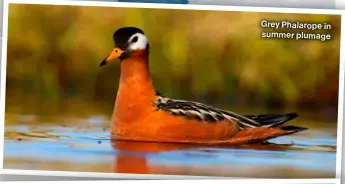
[(103, 63)]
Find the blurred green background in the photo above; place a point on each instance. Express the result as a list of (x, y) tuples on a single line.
[(217, 58)]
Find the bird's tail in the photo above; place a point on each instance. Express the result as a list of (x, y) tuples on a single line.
[(272, 120), (292, 129), (261, 134)]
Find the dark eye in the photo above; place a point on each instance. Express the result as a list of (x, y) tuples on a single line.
[(135, 39)]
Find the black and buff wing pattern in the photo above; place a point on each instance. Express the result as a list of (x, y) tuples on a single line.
[(205, 113)]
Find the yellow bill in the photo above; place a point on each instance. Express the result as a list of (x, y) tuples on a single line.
[(114, 54)]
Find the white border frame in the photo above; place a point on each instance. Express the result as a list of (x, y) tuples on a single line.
[(234, 181), (168, 6)]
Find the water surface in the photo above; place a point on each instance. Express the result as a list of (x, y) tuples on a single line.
[(81, 143)]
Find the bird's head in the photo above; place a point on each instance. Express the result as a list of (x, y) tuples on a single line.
[(127, 40)]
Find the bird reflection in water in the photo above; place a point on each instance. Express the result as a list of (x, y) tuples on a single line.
[(133, 155)]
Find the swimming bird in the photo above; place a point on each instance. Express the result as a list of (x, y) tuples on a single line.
[(141, 113)]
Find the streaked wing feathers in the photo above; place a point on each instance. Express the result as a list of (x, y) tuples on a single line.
[(272, 120), (201, 112)]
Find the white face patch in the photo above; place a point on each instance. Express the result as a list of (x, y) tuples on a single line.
[(137, 41)]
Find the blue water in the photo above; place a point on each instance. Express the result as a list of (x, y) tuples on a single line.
[(307, 157)]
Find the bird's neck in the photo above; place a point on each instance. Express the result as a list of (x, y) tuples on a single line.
[(135, 68), (136, 93)]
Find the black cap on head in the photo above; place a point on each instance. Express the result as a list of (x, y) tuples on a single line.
[(122, 35)]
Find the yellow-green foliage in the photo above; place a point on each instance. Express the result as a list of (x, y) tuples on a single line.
[(211, 55)]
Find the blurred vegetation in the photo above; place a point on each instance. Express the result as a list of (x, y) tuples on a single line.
[(213, 57)]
